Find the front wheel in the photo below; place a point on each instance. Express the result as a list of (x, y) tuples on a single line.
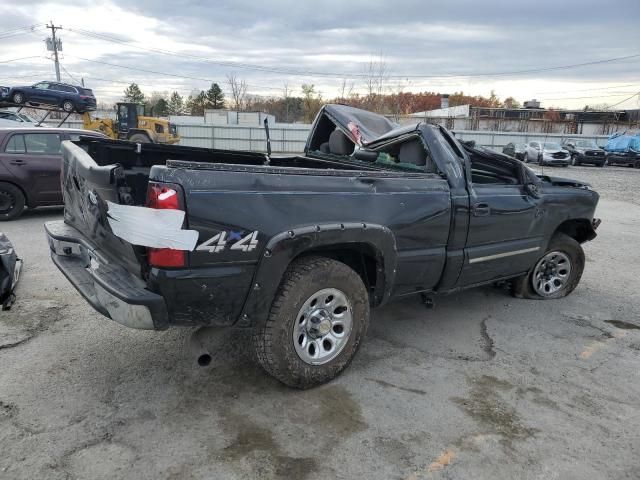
[(574, 161), (18, 98), (317, 321), (556, 274), (139, 138)]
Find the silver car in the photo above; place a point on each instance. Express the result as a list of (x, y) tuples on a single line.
[(547, 153)]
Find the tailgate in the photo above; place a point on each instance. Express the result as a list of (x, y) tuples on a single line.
[(86, 189)]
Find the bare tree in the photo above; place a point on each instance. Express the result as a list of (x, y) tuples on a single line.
[(346, 90), (238, 91), (286, 102), (376, 76)]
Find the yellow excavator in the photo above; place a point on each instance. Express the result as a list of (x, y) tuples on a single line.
[(132, 124)]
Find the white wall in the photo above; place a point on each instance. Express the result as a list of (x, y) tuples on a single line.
[(292, 138)]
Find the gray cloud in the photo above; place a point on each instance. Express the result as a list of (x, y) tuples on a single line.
[(415, 37)]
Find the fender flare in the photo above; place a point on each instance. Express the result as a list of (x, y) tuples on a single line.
[(285, 247)]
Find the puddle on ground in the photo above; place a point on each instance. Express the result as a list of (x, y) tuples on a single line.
[(623, 325), (485, 405)]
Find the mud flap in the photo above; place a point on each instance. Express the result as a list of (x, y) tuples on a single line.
[(10, 266)]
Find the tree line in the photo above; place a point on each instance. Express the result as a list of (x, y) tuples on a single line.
[(162, 105), (290, 108)]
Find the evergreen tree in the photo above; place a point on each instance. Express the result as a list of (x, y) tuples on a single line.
[(133, 94), (199, 103), (161, 108), (215, 97), (176, 104)]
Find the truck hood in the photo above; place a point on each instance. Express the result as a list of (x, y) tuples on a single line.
[(360, 126), (563, 182)]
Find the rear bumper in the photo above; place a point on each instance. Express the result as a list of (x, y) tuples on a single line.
[(110, 289)]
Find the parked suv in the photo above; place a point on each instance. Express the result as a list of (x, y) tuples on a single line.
[(68, 97), (584, 151), (546, 153), (30, 160)]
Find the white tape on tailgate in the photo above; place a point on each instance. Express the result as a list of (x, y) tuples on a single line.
[(150, 227)]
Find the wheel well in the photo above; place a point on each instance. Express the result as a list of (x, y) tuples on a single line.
[(26, 198), (580, 229), (361, 257)]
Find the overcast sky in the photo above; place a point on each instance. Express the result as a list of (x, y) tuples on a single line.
[(427, 46)]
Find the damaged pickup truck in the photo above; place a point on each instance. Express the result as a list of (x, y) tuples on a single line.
[(299, 248)]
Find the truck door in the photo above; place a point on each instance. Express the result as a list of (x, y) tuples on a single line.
[(505, 234)]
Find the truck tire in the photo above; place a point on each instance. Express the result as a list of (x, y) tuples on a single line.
[(317, 321), (556, 273), (140, 138), (12, 201)]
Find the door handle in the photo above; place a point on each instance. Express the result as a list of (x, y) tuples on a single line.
[(481, 210), (17, 162)]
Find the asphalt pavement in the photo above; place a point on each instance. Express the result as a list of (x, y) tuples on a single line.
[(483, 386)]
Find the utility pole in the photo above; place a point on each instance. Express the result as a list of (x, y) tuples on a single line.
[(54, 45)]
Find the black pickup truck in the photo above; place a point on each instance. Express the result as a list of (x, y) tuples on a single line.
[(300, 248)]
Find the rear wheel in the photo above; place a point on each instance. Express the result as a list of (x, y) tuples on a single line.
[(12, 201), (317, 321), (139, 138), (556, 274), (68, 106), (18, 98)]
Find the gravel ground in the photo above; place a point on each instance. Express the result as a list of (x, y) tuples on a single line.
[(483, 386)]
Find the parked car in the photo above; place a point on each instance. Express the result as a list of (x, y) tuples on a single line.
[(515, 150), (17, 117), (30, 161), (624, 149), (70, 98), (584, 151), (299, 248), (546, 153)]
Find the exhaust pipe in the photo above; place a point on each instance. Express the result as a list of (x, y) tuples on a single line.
[(198, 348)]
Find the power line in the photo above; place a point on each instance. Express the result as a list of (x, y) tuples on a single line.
[(293, 72), (593, 96), (20, 31), (69, 75), (155, 72), (589, 89), (21, 58), (626, 99)]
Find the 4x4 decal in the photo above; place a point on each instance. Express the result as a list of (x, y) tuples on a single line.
[(235, 241)]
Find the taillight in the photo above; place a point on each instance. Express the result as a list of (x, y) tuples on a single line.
[(163, 197)]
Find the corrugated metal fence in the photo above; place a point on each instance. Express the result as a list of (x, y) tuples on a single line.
[(292, 139)]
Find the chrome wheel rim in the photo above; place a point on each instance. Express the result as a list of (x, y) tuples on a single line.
[(17, 98), (551, 273), (323, 326), (67, 106)]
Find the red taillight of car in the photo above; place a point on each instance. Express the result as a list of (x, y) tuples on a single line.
[(85, 97), (164, 197)]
